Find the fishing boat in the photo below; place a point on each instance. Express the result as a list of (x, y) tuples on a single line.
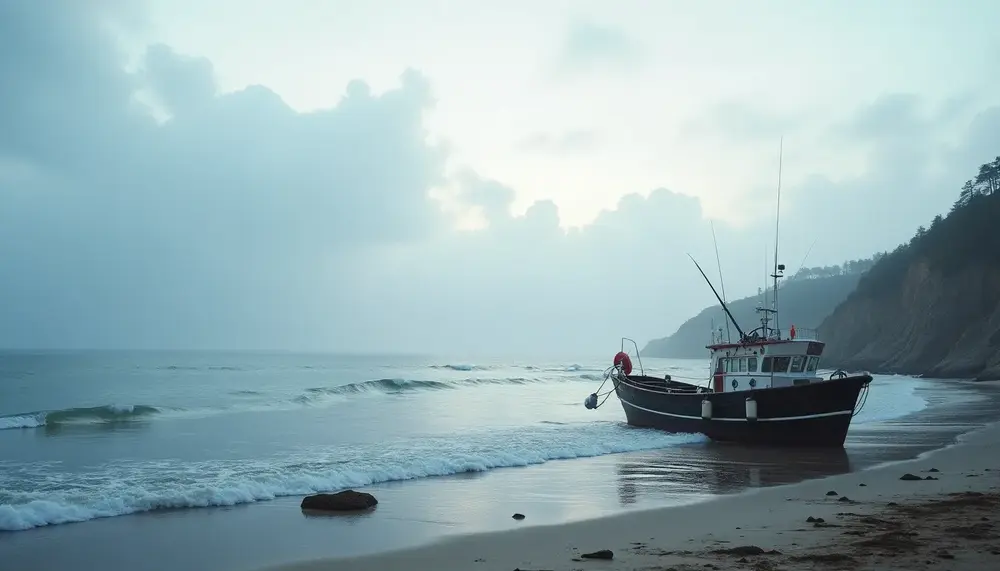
[(763, 388)]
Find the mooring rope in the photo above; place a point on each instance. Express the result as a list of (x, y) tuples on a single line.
[(860, 404), (607, 375)]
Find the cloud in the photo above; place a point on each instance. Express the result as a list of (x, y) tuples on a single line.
[(560, 143), (236, 222), (744, 122), (239, 222), (588, 45), (183, 85)]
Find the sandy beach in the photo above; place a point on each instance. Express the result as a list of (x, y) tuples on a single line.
[(871, 519)]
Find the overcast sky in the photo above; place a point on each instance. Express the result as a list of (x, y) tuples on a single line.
[(460, 177)]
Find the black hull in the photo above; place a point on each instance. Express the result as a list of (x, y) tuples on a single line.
[(816, 414)]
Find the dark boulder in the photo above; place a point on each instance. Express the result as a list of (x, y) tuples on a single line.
[(602, 554), (348, 500)]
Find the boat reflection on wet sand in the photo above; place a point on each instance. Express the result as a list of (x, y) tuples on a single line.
[(955, 407), (717, 468)]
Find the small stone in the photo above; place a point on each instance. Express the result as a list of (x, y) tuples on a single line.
[(832, 493), (862, 485), (909, 477), (518, 516), (944, 554)]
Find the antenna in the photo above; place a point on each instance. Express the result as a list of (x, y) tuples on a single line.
[(729, 338), (765, 278), (724, 306), (777, 215)]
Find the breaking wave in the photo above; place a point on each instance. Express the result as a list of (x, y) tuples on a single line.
[(94, 414), (464, 367), (469, 367), (34, 496)]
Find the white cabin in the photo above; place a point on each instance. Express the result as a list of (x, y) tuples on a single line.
[(779, 361), (766, 357)]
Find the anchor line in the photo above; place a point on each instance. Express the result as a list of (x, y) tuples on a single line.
[(862, 399), (608, 374)]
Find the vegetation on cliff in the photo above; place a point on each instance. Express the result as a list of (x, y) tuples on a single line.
[(932, 305)]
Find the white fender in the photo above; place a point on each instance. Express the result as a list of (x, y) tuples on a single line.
[(706, 409), (751, 409)]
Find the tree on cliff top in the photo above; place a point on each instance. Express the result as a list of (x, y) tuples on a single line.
[(966, 236), (849, 267)]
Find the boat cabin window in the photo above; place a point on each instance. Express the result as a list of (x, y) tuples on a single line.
[(779, 364), (752, 364), (743, 364), (812, 364), (721, 366), (765, 365), (798, 363)]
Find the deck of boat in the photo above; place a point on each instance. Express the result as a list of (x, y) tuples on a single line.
[(663, 385)]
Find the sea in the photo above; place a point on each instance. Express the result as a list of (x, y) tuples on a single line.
[(158, 447)]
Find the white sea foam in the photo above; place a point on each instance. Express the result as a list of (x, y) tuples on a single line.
[(128, 487), (22, 421)]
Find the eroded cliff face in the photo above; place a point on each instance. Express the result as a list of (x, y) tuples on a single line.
[(934, 324)]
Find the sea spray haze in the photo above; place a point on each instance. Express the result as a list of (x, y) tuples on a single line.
[(89, 435)]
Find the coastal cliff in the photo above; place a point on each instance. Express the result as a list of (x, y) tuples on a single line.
[(932, 306), (805, 299)]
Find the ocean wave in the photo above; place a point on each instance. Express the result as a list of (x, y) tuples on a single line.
[(397, 386), (200, 368), (464, 367), (247, 399), (94, 414), (129, 487)]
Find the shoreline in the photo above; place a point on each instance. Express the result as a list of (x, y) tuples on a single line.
[(771, 518), (421, 513)]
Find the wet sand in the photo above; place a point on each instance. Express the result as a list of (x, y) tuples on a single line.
[(942, 518)]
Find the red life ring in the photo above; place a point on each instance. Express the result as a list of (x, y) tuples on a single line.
[(622, 360)]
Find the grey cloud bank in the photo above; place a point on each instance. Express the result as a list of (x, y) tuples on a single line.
[(241, 223)]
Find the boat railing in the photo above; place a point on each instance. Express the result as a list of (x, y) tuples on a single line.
[(638, 357), (801, 334)]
